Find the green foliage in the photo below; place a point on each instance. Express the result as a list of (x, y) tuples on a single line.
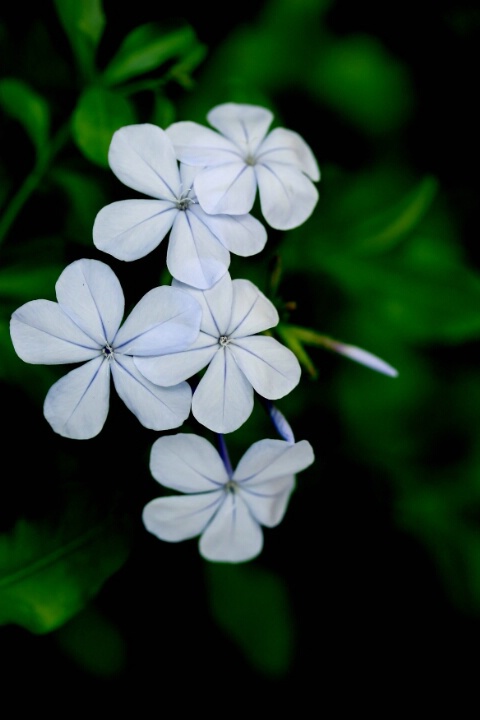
[(148, 47), (84, 23), (252, 606), (22, 103), (50, 569), (98, 114)]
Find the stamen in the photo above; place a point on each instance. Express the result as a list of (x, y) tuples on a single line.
[(108, 352), (223, 340)]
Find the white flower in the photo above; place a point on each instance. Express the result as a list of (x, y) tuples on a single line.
[(84, 326), (242, 158), (226, 509), (143, 158), (239, 361)]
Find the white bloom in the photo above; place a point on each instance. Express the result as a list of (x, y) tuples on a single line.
[(84, 326), (226, 509), (239, 360), (242, 158), (143, 158)]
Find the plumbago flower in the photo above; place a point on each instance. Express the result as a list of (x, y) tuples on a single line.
[(239, 360), (242, 157), (227, 509), (198, 254), (84, 326)]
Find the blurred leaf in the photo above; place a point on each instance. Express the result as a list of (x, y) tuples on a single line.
[(423, 302), (146, 48), (252, 606), (382, 231), (86, 196), (99, 113), (362, 81), (163, 113), (27, 283), (84, 23), (50, 570), (30, 109), (182, 71)]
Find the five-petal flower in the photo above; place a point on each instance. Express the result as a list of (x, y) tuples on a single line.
[(84, 326), (198, 254), (239, 360), (241, 157), (227, 510)]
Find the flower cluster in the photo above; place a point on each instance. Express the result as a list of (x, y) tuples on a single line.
[(198, 345)]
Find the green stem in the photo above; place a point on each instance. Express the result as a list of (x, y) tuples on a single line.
[(32, 181)]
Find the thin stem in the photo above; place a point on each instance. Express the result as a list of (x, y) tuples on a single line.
[(32, 181)]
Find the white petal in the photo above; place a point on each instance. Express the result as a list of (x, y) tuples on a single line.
[(77, 405), (228, 188), (216, 303), (233, 535), (89, 291), (267, 460), (243, 235), (245, 125), (200, 146), (223, 400), (42, 333), (171, 369), (287, 196), (195, 255), (130, 229), (187, 463), (180, 518), (157, 408), (270, 367), (166, 320), (286, 146), (252, 311), (143, 158), (364, 357), (268, 501)]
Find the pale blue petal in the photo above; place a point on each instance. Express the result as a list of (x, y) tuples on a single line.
[(233, 535), (89, 291), (268, 501), (171, 369), (245, 125), (195, 256), (157, 408), (166, 320), (198, 145), (216, 305), (252, 311), (287, 196), (228, 188), (179, 518), (130, 229), (270, 367), (43, 334), (243, 235), (187, 463), (77, 405), (223, 400), (269, 459), (143, 158), (289, 148)]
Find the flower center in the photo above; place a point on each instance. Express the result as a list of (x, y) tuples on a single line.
[(184, 201), (250, 159), (108, 352), (223, 340), (231, 486)]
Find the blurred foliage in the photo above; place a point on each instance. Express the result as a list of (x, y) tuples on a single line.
[(383, 264)]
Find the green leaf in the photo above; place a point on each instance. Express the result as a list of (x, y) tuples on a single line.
[(147, 48), (252, 606), (83, 23), (28, 107), (99, 113), (49, 570), (86, 196), (25, 283)]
